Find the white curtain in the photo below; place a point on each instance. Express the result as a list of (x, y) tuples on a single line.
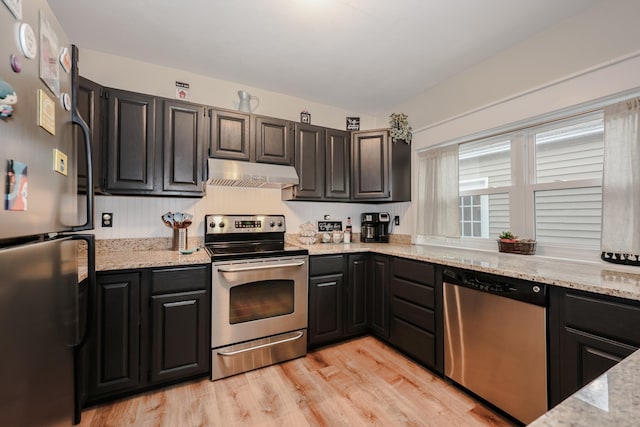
[(621, 179), (438, 199)]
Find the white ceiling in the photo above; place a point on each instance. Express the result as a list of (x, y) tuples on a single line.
[(361, 55)]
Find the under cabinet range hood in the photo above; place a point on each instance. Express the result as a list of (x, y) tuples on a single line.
[(233, 173)]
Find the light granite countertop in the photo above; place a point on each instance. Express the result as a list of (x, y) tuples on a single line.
[(612, 399), (598, 277), (123, 254)]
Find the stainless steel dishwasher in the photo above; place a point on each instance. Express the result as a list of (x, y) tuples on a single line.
[(495, 340)]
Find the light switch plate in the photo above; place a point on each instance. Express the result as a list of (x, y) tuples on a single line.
[(60, 164)]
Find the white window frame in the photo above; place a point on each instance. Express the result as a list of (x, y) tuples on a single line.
[(522, 190)]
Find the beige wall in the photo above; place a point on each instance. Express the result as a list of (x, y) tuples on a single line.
[(601, 35), (129, 74)]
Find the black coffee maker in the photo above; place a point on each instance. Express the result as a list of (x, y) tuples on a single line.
[(374, 227)]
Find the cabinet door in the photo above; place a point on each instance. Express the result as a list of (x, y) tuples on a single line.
[(229, 135), (337, 168), (586, 357), (183, 146), (274, 140), (309, 161), (89, 105), (114, 345), (325, 309), (357, 298), (130, 141), (588, 334), (370, 165), (380, 296), (179, 335)]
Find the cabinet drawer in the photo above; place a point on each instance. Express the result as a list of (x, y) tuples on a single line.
[(414, 341), (413, 271), (608, 317), (180, 279), (329, 264), (414, 314), (416, 293)]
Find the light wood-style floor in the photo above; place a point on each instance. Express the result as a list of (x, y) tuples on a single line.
[(362, 382)]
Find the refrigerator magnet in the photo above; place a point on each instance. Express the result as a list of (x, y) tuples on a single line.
[(15, 196), (27, 41), (15, 6), (8, 98), (65, 101), (65, 59), (49, 71), (59, 162), (46, 113), (16, 64)]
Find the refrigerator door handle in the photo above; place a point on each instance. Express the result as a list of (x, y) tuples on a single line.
[(78, 120), (91, 282)]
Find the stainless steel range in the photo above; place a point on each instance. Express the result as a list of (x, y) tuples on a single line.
[(258, 294)]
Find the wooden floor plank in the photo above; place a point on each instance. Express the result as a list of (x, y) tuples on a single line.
[(362, 382)]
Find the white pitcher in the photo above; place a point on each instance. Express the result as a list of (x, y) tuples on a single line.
[(245, 101)]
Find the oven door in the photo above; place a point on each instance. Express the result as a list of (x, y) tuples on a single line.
[(258, 298)]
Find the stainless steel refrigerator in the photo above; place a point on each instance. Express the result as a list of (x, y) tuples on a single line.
[(40, 324)]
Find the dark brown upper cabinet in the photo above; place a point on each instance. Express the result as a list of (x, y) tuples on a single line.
[(154, 146), (337, 164), (274, 140), (322, 162), (89, 105), (229, 135), (309, 161), (183, 146), (380, 168), (131, 139)]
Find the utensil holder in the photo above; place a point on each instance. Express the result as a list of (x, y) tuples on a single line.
[(179, 239)]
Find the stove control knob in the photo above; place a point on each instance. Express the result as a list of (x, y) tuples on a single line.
[(212, 224), (272, 224), (221, 225), (280, 224)]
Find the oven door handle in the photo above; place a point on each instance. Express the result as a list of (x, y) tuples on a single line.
[(259, 267), (257, 347)]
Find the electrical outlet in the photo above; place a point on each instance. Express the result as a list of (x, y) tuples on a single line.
[(396, 220), (107, 219)]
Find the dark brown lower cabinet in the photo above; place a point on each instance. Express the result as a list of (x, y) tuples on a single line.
[(392, 298), (588, 334), (325, 309), (114, 344), (412, 309), (150, 327), (339, 297), (178, 338), (358, 294), (379, 283)]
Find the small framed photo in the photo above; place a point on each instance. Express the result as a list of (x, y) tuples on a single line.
[(305, 117), (353, 123)]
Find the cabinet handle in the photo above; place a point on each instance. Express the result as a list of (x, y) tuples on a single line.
[(322, 285), (271, 344)]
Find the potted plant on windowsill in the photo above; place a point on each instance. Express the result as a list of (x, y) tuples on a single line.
[(510, 243)]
